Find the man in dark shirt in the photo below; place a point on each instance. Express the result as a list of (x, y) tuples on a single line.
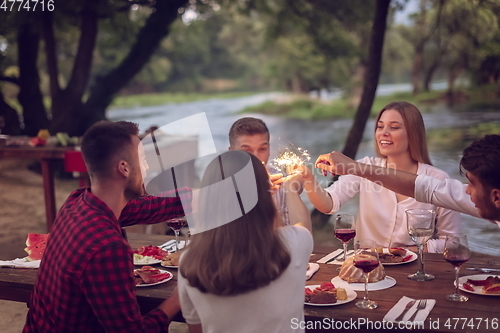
[(85, 282)]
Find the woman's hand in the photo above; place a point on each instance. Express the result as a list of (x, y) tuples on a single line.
[(336, 163)]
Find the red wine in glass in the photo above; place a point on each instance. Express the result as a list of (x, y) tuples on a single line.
[(456, 261), (345, 235), (344, 230), (366, 265), (366, 259), (176, 225), (456, 252)]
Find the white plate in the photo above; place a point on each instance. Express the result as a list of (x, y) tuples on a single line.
[(146, 260), (414, 257), (351, 295), (478, 290), (384, 284), (169, 266), (162, 281)]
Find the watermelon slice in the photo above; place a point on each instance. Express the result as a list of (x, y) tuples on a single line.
[(35, 246)]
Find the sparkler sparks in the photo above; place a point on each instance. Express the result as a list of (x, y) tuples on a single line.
[(290, 157)]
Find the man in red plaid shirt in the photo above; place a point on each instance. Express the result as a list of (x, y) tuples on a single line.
[(85, 282)]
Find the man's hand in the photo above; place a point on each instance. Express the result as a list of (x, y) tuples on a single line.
[(294, 183), (336, 163)]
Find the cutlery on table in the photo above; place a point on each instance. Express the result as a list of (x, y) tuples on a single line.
[(421, 305), (484, 270), (338, 256), (408, 306)]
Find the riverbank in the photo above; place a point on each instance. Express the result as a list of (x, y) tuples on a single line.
[(304, 107), (141, 100)]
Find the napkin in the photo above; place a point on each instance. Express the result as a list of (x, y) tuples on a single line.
[(333, 254), (20, 263), (311, 269), (397, 309)]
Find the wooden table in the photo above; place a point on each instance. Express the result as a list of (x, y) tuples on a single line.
[(16, 285), (46, 155)]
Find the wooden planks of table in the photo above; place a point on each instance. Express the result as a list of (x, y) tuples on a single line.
[(479, 314)]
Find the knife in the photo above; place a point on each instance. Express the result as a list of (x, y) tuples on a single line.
[(334, 258), (484, 270)]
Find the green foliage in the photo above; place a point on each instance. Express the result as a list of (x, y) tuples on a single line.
[(166, 98), (302, 108)]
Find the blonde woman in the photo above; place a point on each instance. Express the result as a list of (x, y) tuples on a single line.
[(247, 275), (399, 144)]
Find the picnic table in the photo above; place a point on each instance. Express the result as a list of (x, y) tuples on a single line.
[(479, 314)]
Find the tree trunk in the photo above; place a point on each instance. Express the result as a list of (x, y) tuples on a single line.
[(148, 39), (30, 96), (357, 82), (417, 68), (374, 64), (11, 124), (430, 73), (67, 107)]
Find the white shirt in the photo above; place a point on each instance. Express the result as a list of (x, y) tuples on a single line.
[(273, 308), (382, 218), (449, 193)]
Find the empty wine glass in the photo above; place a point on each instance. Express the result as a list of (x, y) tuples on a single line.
[(420, 223), (345, 230), (176, 225), (366, 259), (456, 252)]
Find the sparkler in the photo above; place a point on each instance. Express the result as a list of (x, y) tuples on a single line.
[(289, 158)]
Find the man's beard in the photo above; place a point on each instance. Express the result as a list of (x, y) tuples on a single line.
[(133, 190)]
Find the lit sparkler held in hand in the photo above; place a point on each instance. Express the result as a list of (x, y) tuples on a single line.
[(288, 159)]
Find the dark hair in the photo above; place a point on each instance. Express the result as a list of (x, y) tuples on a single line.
[(105, 142), (247, 126), (482, 159), (415, 129), (241, 255)]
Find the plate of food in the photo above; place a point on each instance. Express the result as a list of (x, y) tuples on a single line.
[(149, 255), (148, 276), (171, 260), (326, 294), (480, 284), (385, 283), (396, 256)]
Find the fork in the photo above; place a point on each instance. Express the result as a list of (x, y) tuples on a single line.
[(408, 306), (421, 305)]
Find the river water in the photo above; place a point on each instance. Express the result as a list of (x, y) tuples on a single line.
[(323, 136)]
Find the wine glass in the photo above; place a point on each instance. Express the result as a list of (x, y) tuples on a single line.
[(344, 229), (176, 225), (366, 259), (456, 252), (420, 223)]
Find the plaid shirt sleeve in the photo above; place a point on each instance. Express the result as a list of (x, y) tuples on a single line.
[(155, 209), (108, 285)]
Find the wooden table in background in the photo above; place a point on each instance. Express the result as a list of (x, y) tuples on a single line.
[(46, 155), (17, 284)]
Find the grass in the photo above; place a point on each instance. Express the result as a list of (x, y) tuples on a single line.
[(166, 98)]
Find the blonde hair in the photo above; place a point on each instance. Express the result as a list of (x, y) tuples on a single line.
[(242, 255), (415, 129)]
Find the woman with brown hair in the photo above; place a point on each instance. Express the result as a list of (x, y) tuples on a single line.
[(399, 144), (242, 272)]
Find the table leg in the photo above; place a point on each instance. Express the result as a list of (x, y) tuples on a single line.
[(48, 192)]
